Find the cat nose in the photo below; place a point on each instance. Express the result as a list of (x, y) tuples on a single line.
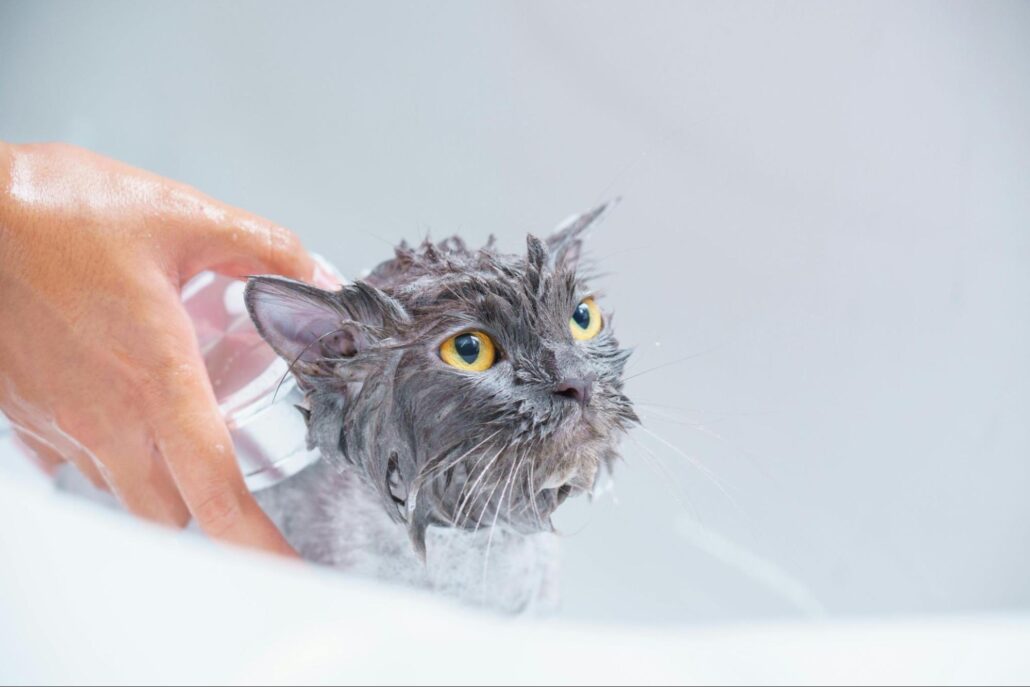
[(579, 389)]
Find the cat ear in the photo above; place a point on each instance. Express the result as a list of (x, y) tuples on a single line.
[(300, 322), (306, 324), (565, 245)]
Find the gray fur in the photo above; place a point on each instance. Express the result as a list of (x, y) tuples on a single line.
[(433, 446)]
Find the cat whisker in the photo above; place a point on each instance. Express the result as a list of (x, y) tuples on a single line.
[(655, 411), (432, 471), (497, 512), (698, 466), (533, 493), (754, 459), (677, 361), (289, 368), (472, 490), (701, 412), (641, 352), (486, 504), (678, 490), (518, 467), (701, 427), (500, 501)]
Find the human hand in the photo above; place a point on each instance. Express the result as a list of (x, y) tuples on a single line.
[(99, 364)]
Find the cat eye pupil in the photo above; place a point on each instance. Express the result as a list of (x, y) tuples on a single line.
[(467, 346), (469, 352), (581, 316)]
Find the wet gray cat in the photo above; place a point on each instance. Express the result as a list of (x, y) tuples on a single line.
[(457, 398)]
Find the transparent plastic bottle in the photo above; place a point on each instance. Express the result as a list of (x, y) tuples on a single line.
[(255, 392)]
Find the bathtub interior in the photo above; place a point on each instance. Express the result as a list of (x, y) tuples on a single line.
[(88, 595)]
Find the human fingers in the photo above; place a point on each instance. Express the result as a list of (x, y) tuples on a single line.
[(136, 470), (51, 452), (40, 452), (237, 243), (195, 443)]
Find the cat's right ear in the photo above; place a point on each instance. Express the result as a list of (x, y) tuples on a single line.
[(565, 245), (301, 323)]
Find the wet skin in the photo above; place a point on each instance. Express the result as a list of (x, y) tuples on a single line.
[(98, 361)]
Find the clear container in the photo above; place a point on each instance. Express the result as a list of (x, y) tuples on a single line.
[(256, 394)]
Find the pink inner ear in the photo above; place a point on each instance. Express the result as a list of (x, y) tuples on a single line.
[(293, 323)]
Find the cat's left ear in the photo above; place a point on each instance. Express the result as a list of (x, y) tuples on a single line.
[(306, 325), (565, 245)]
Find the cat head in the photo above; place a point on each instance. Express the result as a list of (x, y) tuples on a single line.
[(468, 387)]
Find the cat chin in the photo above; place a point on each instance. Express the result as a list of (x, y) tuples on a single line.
[(576, 431), (584, 438)]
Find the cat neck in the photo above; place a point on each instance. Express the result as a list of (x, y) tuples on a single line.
[(331, 516)]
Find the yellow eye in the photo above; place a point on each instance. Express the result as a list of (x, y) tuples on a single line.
[(470, 351), (585, 322)]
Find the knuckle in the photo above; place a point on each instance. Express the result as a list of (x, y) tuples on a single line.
[(168, 376), (283, 238), (285, 246)]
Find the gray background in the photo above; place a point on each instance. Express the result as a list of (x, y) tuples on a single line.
[(827, 205)]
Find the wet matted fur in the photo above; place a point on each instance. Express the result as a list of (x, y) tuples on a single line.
[(424, 466)]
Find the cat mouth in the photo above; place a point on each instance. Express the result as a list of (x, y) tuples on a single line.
[(549, 499), (570, 482), (580, 429)]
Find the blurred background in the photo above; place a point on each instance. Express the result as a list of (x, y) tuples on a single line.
[(821, 257)]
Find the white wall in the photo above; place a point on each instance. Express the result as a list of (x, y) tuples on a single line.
[(828, 203)]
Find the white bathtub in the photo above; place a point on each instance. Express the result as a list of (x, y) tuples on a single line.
[(90, 596)]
